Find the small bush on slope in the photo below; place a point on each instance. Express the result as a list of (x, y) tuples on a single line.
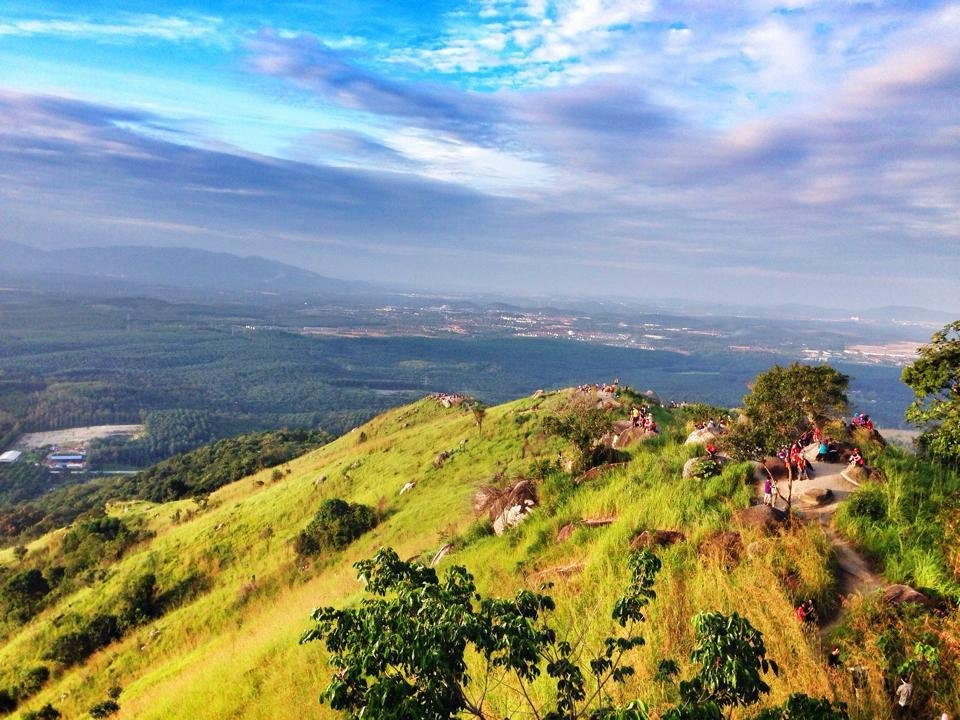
[(336, 525)]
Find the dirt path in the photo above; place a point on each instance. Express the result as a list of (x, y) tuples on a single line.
[(855, 575)]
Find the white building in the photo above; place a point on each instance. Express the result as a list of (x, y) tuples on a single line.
[(10, 456)]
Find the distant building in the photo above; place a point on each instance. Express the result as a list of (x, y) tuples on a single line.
[(10, 456), (72, 461)]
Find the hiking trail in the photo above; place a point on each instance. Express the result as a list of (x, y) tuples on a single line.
[(855, 575)]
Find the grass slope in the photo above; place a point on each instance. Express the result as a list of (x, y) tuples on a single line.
[(232, 651)]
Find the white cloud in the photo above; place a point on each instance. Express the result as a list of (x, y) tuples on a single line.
[(133, 27)]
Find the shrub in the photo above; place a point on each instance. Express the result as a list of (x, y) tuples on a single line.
[(336, 525), (868, 503), (705, 468), (76, 646), (104, 709), (8, 703), (138, 601), (31, 681), (47, 712)]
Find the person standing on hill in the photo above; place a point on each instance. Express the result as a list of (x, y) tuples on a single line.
[(903, 693), (768, 492)]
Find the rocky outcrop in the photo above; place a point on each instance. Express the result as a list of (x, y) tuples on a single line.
[(506, 507), (651, 539), (701, 437), (901, 594), (815, 497), (760, 517), (630, 436)]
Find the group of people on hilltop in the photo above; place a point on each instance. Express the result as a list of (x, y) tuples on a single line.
[(448, 399), (793, 457), (641, 417), (612, 388), (718, 427), (861, 420)]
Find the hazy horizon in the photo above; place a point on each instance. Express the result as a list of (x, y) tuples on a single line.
[(758, 153)]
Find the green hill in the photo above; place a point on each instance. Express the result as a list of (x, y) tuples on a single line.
[(215, 635)]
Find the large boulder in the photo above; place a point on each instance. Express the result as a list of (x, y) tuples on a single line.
[(760, 517), (508, 506), (653, 398), (631, 436), (901, 594), (815, 497), (701, 437)]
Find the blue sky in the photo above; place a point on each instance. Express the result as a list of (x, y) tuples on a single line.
[(749, 152)]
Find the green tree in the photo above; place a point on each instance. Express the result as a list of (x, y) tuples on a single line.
[(732, 659), (935, 380), (402, 655), (582, 424), (24, 592), (803, 707), (785, 401), (479, 412)]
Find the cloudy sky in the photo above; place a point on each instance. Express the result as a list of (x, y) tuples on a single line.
[(749, 151)]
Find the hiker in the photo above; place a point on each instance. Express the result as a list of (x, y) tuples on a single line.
[(817, 434), (768, 492), (712, 451), (856, 458), (833, 659), (903, 694), (635, 417), (806, 612), (774, 494), (823, 451)]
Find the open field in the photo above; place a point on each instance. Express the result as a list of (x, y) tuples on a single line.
[(75, 436)]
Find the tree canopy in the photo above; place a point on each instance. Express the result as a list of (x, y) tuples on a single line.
[(785, 401), (935, 380)]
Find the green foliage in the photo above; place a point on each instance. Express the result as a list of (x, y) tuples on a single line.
[(31, 681), (402, 654), (24, 592), (196, 473), (213, 466), (104, 709), (935, 380), (802, 707), (8, 702), (868, 502), (139, 602), (75, 646), (909, 522), (581, 424), (47, 712), (732, 659), (783, 402), (336, 525), (705, 468)]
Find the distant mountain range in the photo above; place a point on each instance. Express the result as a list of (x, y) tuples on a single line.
[(127, 268)]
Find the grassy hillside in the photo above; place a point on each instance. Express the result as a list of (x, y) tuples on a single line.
[(238, 597)]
